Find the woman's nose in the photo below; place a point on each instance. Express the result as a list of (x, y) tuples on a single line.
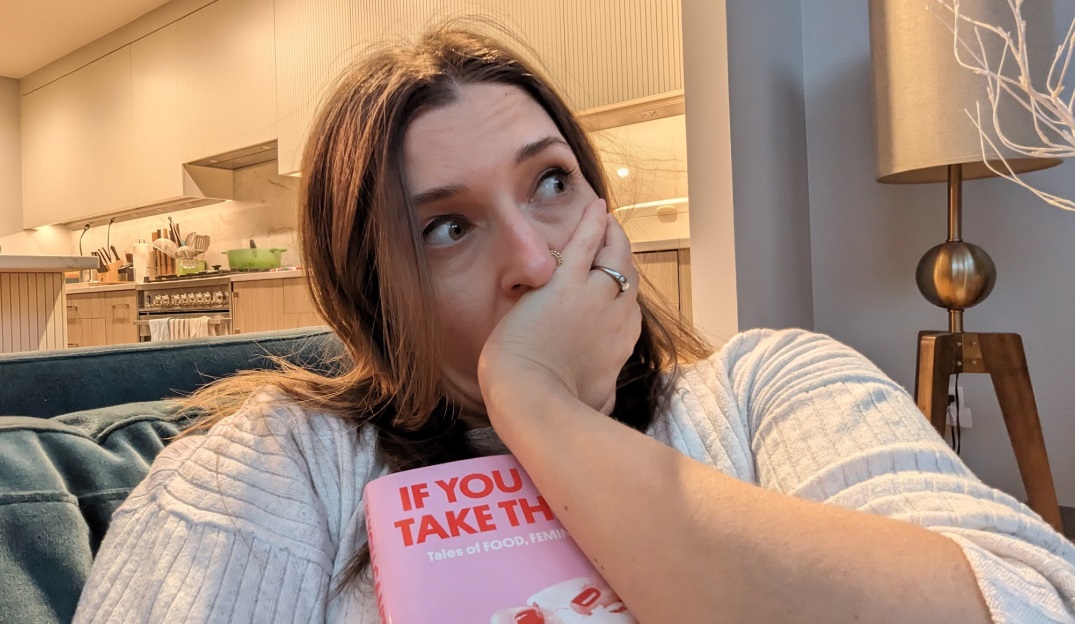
[(524, 255)]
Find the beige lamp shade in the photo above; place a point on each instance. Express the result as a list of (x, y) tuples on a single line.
[(922, 94)]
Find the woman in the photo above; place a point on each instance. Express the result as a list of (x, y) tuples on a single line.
[(459, 244)]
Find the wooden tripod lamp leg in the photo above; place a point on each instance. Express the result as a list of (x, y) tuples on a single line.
[(936, 364), (1005, 361)]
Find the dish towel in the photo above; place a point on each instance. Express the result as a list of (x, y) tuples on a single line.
[(158, 330), (198, 327)]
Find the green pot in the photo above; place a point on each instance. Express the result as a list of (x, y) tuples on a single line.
[(257, 258)]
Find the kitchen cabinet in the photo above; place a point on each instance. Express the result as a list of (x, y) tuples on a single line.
[(615, 51), (668, 273), (314, 44), (272, 304), (201, 86), (114, 134), (599, 52), (299, 310), (77, 139), (99, 319)]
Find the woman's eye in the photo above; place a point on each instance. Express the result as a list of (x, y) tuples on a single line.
[(445, 230), (553, 182)]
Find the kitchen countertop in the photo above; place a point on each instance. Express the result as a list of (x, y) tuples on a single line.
[(46, 264), (98, 287), (84, 287), (664, 244)]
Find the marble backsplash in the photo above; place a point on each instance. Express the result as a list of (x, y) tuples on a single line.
[(265, 209)]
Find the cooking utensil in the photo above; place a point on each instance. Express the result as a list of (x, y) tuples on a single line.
[(201, 243), (189, 240), (166, 246), (252, 245), (186, 251), (115, 253), (254, 258)]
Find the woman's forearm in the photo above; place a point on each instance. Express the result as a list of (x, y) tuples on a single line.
[(682, 542)]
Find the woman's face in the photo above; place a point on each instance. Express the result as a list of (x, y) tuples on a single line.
[(494, 186)]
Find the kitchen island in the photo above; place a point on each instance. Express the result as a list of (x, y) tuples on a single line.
[(33, 306)]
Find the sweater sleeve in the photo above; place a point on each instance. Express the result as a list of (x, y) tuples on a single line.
[(826, 424), (237, 525)]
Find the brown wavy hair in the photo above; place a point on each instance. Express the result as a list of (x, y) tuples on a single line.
[(363, 252)]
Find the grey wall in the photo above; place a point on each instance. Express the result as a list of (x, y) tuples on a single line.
[(10, 158), (866, 239), (769, 164)]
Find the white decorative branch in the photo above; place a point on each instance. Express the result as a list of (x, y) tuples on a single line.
[(1054, 119)]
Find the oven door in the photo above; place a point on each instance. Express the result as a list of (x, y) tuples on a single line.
[(182, 325)]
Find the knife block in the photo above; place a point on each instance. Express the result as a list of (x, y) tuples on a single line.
[(112, 276)]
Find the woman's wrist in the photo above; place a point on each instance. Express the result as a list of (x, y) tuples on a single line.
[(524, 394)]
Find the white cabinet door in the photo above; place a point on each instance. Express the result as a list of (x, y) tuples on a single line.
[(315, 41), (159, 89), (77, 143), (228, 93), (202, 86)]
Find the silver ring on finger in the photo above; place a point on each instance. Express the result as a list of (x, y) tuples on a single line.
[(621, 280)]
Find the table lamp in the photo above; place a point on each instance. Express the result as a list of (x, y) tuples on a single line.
[(924, 135)]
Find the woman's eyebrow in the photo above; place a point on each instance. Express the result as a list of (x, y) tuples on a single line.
[(530, 150), (438, 193)]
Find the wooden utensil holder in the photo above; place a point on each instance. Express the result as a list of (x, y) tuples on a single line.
[(111, 276)]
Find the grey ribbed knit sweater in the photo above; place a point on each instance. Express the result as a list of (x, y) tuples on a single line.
[(254, 521)]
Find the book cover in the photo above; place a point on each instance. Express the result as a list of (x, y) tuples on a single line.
[(474, 541)]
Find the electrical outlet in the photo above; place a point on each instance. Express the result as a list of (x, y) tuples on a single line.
[(965, 421)]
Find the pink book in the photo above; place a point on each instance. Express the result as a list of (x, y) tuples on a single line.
[(474, 541)]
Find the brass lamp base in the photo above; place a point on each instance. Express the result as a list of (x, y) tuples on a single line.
[(957, 275)]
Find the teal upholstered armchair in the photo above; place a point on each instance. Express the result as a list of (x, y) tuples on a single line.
[(78, 430)]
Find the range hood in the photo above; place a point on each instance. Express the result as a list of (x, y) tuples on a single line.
[(240, 158), (205, 181)]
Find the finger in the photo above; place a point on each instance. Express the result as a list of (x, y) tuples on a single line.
[(616, 255), (616, 252), (587, 239)]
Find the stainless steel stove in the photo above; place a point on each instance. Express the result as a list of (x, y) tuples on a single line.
[(186, 297)]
